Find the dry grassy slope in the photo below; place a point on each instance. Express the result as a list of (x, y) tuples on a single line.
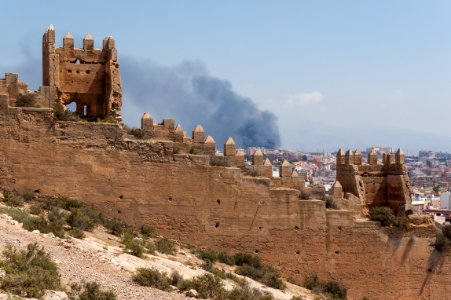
[(99, 257)]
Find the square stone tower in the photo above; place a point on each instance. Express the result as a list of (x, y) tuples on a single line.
[(89, 77)]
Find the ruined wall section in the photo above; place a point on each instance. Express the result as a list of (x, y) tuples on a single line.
[(385, 184), (88, 76)]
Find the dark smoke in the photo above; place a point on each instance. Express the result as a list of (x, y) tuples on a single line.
[(189, 95)]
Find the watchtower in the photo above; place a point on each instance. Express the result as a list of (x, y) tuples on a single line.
[(89, 77)]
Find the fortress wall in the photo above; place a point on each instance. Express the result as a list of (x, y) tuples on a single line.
[(184, 198)]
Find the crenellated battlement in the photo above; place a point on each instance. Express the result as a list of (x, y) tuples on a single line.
[(87, 76), (376, 183)]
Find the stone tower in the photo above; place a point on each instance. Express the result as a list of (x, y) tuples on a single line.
[(88, 77)]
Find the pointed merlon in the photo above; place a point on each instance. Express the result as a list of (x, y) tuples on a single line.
[(210, 140), (337, 184), (51, 27), (88, 37), (349, 152), (179, 129), (68, 36), (147, 116), (267, 163), (230, 141), (340, 152), (258, 152), (357, 152), (400, 152), (294, 174), (240, 153), (199, 128), (286, 163)]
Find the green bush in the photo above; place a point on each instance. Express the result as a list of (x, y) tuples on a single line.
[(27, 100), (165, 246), (330, 203), (62, 114), (207, 286), (36, 208), (176, 279), (84, 218), (152, 278), (264, 274), (77, 233), (304, 195), (207, 255), (241, 258), (115, 226), (137, 133), (28, 272), (244, 292), (441, 242), (90, 291), (134, 246), (15, 213), (220, 161), (332, 289), (225, 258), (312, 282), (13, 200), (147, 230), (150, 246), (382, 214)]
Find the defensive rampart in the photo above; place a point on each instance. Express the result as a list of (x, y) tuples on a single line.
[(184, 197)]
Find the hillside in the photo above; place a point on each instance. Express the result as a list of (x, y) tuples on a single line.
[(99, 257)]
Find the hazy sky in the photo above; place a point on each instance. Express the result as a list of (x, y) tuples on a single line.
[(335, 73)]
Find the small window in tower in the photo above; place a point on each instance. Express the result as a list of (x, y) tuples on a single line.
[(85, 110)]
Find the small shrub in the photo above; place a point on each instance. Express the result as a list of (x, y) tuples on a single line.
[(264, 274), (152, 278), (107, 119), (252, 172), (62, 114), (147, 230), (36, 208), (165, 246), (382, 214), (207, 286), (176, 279), (27, 100), (207, 255), (248, 259), (137, 133), (304, 195), (115, 226), (219, 161), (295, 281), (401, 222), (219, 273), (150, 246), (84, 218), (244, 292), (297, 298), (77, 233), (28, 272), (330, 203), (15, 213), (225, 258), (28, 196), (334, 290), (134, 247), (13, 200), (207, 265), (90, 291), (311, 282), (441, 242)]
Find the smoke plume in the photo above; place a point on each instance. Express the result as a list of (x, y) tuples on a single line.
[(191, 96)]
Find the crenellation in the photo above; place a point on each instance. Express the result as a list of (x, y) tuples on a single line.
[(400, 157), (198, 134), (340, 157), (349, 157), (375, 184), (68, 41), (285, 169), (147, 122), (357, 157), (257, 158)]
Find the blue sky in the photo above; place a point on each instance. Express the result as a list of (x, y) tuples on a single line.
[(335, 73)]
